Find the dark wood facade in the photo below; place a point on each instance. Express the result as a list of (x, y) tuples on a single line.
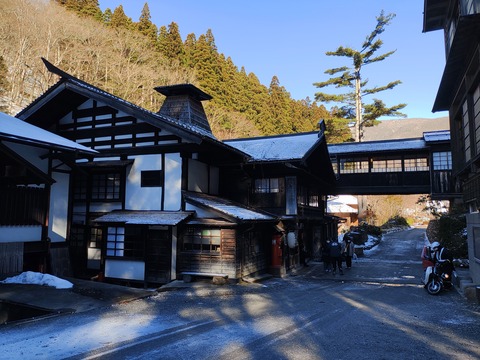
[(407, 166), (293, 185), (459, 93), (32, 172), (127, 213)]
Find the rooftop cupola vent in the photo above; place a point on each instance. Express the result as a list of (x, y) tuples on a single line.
[(184, 103)]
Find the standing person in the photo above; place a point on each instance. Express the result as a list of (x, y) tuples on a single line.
[(336, 256), (348, 251), (326, 256)]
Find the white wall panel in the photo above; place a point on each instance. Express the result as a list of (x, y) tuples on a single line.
[(173, 182)]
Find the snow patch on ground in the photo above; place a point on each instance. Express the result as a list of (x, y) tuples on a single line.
[(31, 277)]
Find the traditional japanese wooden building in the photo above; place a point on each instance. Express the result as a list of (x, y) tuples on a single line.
[(459, 93), (157, 197), (34, 185), (290, 176)]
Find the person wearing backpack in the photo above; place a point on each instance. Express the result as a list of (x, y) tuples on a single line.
[(336, 256), (442, 257)]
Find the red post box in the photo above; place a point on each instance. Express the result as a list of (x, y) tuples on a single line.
[(277, 251)]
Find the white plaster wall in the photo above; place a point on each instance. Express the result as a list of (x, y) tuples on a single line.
[(31, 154), (20, 233), (173, 268), (197, 176), (125, 269), (173, 182), (146, 198), (57, 223)]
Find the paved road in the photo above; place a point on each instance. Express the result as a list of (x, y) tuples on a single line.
[(377, 310)]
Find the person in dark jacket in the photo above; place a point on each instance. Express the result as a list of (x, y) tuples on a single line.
[(336, 256), (442, 257)]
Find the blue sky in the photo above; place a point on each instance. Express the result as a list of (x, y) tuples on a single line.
[(289, 39)]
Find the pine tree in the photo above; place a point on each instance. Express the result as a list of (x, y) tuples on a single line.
[(344, 76)]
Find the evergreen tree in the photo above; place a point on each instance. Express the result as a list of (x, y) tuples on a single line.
[(107, 16), (91, 8), (119, 19), (279, 108), (189, 51), (171, 44), (124, 63), (337, 130), (88, 8), (145, 25), (364, 115), (206, 63), (162, 40)]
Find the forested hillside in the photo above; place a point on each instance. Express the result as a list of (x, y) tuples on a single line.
[(129, 58)]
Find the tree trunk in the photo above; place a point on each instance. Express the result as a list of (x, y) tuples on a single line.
[(358, 107)]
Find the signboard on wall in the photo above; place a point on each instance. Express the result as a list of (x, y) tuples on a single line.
[(291, 195)]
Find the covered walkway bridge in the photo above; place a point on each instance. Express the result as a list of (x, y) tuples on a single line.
[(406, 166)]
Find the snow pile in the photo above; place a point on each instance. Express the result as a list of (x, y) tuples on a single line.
[(30, 277)]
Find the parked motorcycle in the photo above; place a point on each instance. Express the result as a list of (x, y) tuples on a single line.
[(438, 277)]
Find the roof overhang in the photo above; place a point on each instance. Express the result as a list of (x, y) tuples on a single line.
[(42, 177), (18, 131), (434, 14), (467, 35), (227, 209), (146, 217)]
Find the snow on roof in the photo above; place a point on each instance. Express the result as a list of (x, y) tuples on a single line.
[(376, 146), (227, 207), (281, 147), (345, 199), (16, 129), (338, 207), (146, 217)]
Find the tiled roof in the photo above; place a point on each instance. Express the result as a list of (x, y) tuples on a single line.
[(227, 207)]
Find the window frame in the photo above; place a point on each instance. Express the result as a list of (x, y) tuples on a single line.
[(266, 186), (125, 242), (442, 160), (354, 165), (204, 240), (412, 164), (386, 164)]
